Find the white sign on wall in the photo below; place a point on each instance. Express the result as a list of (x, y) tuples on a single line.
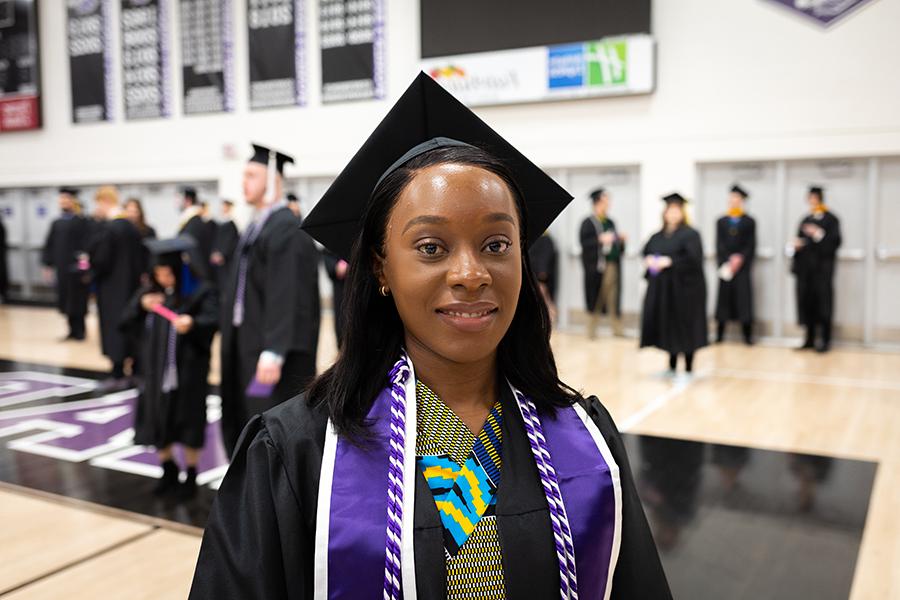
[(609, 67)]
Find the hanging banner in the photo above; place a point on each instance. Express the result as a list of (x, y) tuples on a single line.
[(276, 42), (351, 35), (89, 61), (20, 95), (607, 67), (824, 12), (207, 65), (145, 59)]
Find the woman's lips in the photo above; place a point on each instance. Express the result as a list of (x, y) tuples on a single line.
[(468, 319)]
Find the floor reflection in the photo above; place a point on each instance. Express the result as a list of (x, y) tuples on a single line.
[(733, 522)]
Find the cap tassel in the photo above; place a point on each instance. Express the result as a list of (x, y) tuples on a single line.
[(272, 168)]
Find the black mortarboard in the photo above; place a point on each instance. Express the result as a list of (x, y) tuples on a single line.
[(262, 155), (425, 117), (176, 245), (70, 191), (595, 195), (818, 191), (291, 197), (675, 198), (736, 189)]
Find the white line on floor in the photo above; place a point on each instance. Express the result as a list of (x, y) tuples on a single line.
[(678, 388), (808, 379)]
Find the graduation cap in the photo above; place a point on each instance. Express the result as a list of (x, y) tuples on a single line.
[(182, 255), (274, 162), (170, 246), (675, 198), (595, 195), (818, 191), (189, 193), (424, 118), (736, 189), (69, 191)]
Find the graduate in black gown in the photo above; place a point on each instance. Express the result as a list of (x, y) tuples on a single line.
[(735, 251), (336, 268), (815, 257), (117, 260), (446, 336), (66, 242), (270, 303), (174, 354), (545, 263), (602, 249), (225, 242), (192, 223), (674, 314)]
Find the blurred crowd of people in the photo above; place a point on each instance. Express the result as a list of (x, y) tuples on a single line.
[(161, 301)]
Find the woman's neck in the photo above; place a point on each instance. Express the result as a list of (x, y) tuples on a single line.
[(468, 389)]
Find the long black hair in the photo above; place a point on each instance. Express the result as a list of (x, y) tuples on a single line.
[(373, 334)]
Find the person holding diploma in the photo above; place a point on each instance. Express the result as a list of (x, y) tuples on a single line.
[(735, 250)]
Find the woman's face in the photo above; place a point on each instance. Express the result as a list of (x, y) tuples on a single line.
[(132, 212), (453, 261), (674, 215), (164, 276)]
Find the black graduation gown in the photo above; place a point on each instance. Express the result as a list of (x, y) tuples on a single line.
[(735, 300), (179, 416), (814, 267), (225, 242), (199, 229), (117, 261), (590, 255), (67, 238), (259, 541), (674, 314), (337, 288), (281, 314), (544, 262), (4, 273)]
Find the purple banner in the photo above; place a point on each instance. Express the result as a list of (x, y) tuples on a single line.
[(825, 12)]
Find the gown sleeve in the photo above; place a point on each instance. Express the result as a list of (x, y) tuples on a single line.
[(639, 572), (253, 546)]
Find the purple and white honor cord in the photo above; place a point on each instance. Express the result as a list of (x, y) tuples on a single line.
[(559, 520), (392, 577)]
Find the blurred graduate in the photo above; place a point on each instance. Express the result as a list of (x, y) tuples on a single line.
[(63, 252), (176, 316), (735, 251), (674, 314), (815, 256), (441, 456), (602, 248), (270, 302)]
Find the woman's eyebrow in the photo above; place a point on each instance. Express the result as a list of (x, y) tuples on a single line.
[(499, 216), (426, 220)]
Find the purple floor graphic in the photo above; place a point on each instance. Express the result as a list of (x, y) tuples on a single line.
[(98, 431), (20, 387)]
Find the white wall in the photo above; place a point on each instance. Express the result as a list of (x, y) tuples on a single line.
[(737, 80)]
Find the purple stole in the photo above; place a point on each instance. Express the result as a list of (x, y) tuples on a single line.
[(352, 515)]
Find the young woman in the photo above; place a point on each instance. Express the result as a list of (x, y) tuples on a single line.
[(175, 317), (674, 315), (441, 456)]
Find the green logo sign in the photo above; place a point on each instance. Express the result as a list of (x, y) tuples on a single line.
[(607, 63)]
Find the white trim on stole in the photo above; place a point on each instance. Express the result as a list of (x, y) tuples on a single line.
[(323, 514), (410, 470), (617, 492)]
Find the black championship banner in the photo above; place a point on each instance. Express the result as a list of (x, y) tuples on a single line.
[(276, 45), (351, 34), (145, 59), (20, 80), (89, 60), (207, 68)]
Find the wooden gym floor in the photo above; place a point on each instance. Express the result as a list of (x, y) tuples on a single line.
[(790, 451)]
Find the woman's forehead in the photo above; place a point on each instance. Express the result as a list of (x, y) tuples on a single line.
[(455, 190)]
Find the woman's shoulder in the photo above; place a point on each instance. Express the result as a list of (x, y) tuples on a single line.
[(295, 425)]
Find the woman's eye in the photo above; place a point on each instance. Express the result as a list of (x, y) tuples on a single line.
[(428, 248), (498, 246)]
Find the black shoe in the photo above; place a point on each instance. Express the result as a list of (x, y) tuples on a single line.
[(169, 480), (807, 345), (188, 488), (823, 348)]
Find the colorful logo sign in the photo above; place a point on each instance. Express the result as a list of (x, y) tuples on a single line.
[(595, 64)]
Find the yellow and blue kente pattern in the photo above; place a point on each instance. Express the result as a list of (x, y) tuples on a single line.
[(464, 489)]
